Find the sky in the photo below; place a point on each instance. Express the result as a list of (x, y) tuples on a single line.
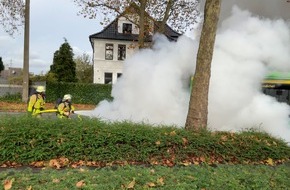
[(54, 20), (51, 22), (154, 87)]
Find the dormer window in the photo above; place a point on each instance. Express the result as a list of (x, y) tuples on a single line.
[(127, 28)]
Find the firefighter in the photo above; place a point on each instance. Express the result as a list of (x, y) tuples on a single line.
[(65, 108), (36, 102)]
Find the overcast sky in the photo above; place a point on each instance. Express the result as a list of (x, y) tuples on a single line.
[(51, 22), (54, 20), (273, 9)]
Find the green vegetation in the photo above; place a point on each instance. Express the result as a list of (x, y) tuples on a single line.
[(83, 93), (92, 154), (64, 67), (25, 140), (224, 177), (84, 68), (13, 98)]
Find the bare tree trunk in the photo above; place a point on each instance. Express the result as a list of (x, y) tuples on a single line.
[(161, 28), (198, 105), (142, 24), (25, 85)]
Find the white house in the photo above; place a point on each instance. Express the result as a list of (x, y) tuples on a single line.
[(115, 43)]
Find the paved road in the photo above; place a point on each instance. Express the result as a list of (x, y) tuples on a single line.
[(45, 115)]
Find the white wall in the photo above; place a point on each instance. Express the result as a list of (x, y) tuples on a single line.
[(135, 29), (121, 20), (114, 66), (102, 66)]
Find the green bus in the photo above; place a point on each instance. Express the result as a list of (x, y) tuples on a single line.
[(277, 84)]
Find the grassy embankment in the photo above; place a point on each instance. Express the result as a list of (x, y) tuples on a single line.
[(92, 154)]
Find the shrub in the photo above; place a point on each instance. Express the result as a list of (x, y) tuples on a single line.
[(25, 140), (82, 93), (11, 97)]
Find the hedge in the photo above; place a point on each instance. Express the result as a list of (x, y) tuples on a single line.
[(82, 93)]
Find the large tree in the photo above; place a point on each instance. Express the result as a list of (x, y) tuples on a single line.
[(12, 15), (84, 69), (180, 15), (64, 67), (198, 106)]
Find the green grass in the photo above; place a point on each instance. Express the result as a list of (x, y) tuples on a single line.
[(24, 140), (226, 177), (12, 98), (125, 154)]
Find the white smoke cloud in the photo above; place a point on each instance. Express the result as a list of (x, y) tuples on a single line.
[(247, 47), (154, 85)]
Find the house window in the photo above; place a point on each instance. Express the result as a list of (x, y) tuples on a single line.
[(109, 52), (121, 52), (127, 28), (108, 78)]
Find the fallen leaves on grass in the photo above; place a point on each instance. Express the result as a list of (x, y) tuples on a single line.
[(270, 162), (80, 184), (151, 184), (8, 184), (131, 184), (160, 181), (55, 181)]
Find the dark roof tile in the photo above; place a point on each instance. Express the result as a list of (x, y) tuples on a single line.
[(111, 32)]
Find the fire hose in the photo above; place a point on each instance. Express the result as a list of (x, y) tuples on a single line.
[(53, 111)]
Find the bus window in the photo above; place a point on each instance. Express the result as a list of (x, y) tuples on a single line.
[(279, 92)]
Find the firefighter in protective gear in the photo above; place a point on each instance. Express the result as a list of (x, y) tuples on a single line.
[(37, 101), (65, 108)]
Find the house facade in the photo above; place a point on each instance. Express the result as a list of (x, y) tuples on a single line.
[(11, 72), (115, 43)]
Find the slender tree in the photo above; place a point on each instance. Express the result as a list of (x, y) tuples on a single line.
[(142, 23), (64, 67), (84, 69), (198, 106)]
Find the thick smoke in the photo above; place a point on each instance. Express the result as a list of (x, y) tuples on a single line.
[(272, 9), (247, 48), (154, 87)]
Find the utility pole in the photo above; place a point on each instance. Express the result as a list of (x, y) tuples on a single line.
[(25, 85)]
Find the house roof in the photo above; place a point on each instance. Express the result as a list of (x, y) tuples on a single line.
[(111, 31)]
